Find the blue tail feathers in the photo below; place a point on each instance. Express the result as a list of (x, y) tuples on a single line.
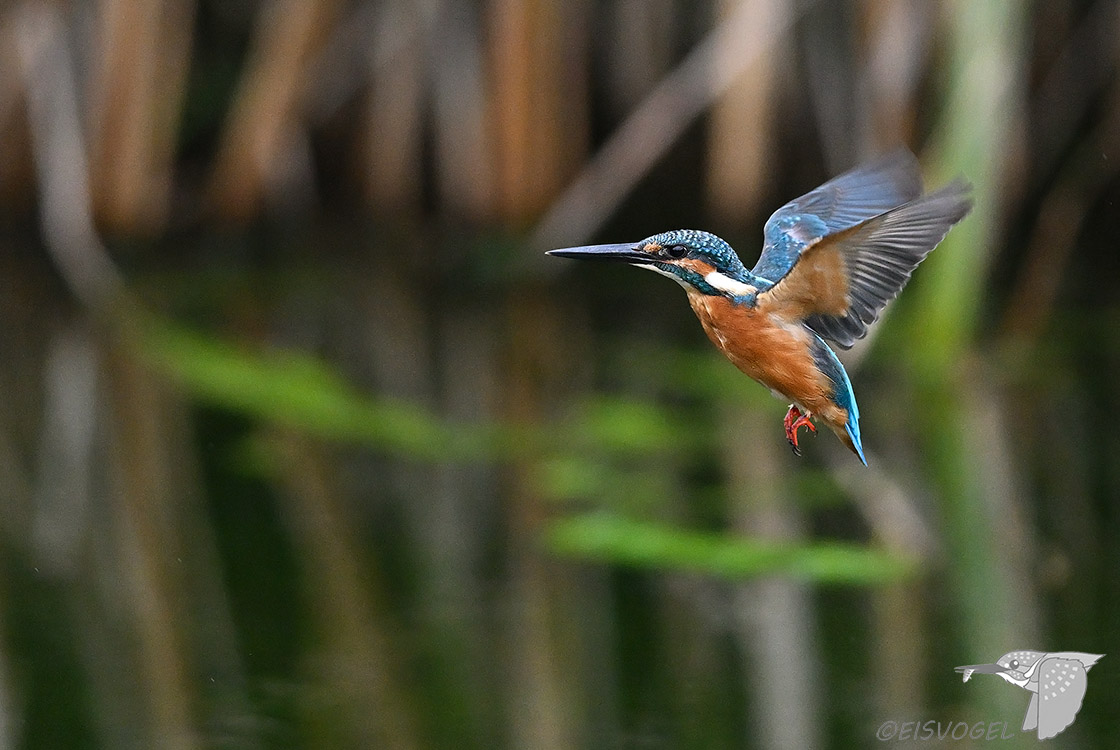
[(853, 432), (842, 393)]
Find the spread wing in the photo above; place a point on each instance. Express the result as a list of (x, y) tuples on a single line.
[(836, 274), (1061, 689), (840, 203)]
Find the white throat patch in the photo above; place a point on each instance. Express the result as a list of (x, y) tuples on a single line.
[(728, 285), (671, 275)]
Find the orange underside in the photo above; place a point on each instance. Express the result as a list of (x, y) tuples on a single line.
[(774, 353)]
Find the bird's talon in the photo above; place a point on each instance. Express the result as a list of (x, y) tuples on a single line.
[(794, 421), (804, 422)]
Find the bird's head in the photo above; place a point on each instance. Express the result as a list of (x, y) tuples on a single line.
[(1016, 667), (698, 261)]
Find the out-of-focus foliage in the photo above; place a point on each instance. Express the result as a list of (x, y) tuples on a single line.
[(613, 539), (300, 392)]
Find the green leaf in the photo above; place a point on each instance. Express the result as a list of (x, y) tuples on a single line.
[(301, 392), (608, 538)]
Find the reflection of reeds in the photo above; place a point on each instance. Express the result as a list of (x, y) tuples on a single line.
[(389, 516)]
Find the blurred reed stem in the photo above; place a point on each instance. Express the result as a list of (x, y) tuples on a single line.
[(984, 65)]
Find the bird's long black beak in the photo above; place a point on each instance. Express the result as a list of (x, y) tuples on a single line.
[(970, 669), (624, 253)]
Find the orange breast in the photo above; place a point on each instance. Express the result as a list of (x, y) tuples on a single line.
[(775, 354)]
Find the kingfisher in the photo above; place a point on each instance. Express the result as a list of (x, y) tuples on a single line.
[(1057, 681), (830, 262)]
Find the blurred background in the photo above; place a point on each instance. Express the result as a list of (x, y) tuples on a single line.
[(305, 443)]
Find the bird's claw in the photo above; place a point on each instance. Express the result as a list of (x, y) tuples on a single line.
[(794, 421)]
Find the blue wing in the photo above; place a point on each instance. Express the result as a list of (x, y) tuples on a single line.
[(836, 269), (838, 204)]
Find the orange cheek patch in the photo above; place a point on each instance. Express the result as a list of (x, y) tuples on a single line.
[(693, 264), (651, 247)]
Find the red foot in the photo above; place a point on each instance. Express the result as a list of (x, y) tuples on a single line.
[(794, 421)]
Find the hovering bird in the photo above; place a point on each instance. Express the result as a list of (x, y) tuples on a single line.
[(1057, 681), (831, 260)]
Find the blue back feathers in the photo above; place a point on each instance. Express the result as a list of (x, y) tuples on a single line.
[(786, 237)]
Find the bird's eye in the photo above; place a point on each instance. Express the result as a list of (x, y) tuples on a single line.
[(677, 251), (1014, 663)]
